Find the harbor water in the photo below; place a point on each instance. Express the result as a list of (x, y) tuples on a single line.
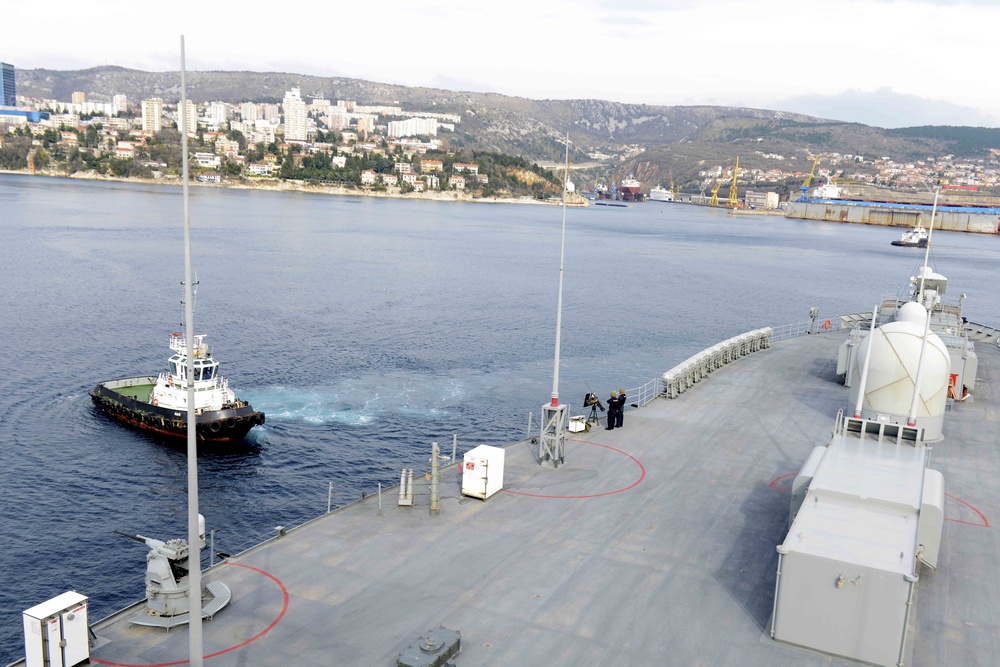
[(365, 329)]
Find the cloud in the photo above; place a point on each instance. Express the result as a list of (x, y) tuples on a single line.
[(888, 109)]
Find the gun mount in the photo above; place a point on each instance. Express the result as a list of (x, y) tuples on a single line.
[(167, 565)]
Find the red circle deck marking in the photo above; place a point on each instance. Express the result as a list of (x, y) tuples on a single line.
[(634, 484), (284, 608), (985, 522), (774, 482)]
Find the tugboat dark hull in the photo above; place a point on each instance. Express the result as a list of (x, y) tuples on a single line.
[(229, 425), (910, 244)]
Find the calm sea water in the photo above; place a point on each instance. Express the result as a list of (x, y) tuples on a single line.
[(365, 329)]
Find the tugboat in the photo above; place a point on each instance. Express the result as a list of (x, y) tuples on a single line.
[(159, 403), (913, 238)]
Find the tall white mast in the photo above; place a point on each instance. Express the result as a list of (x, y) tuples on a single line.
[(562, 257), (552, 439), (194, 551)]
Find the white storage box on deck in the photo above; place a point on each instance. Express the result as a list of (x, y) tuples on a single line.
[(482, 471), (49, 624)]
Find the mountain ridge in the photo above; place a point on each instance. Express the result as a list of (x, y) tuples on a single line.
[(655, 143)]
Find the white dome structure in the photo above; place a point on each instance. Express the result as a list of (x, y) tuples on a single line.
[(892, 373), (913, 312)]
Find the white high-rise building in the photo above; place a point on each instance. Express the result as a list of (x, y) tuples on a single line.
[(249, 112), (269, 112), (152, 112), (412, 127), (192, 118), (120, 103), (218, 114), (295, 116)]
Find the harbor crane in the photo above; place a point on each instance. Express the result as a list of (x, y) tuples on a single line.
[(714, 201), (806, 183), (734, 201)]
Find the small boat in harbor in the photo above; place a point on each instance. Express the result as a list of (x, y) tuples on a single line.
[(913, 238), (158, 403), (661, 194)]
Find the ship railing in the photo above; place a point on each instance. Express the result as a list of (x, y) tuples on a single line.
[(646, 393), (796, 329), (637, 397), (178, 342), (693, 370)]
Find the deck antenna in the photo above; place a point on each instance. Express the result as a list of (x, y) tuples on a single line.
[(864, 368), (552, 440), (194, 574), (911, 419)]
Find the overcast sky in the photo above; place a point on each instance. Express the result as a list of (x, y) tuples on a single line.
[(742, 53)]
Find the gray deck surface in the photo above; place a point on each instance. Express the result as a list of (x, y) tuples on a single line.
[(678, 568)]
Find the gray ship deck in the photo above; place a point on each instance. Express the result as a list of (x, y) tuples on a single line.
[(652, 545)]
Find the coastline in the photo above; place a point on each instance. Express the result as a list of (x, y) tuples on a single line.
[(277, 185)]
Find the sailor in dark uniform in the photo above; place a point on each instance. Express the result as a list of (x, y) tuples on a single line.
[(619, 415), (613, 407)]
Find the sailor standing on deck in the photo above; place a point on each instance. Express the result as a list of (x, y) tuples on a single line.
[(619, 416), (613, 407)]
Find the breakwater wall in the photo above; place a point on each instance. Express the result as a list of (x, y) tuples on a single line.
[(964, 219), (958, 219)]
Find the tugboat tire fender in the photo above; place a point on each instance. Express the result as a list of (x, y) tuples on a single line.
[(215, 426), (231, 422)]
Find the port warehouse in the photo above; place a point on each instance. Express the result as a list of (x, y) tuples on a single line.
[(974, 219)]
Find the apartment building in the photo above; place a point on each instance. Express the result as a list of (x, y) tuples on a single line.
[(152, 114), (295, 116)]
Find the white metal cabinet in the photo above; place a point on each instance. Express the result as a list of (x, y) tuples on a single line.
[(482, 471), (56, 632)]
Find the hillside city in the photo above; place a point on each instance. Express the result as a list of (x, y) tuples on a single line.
[(374, 147)]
